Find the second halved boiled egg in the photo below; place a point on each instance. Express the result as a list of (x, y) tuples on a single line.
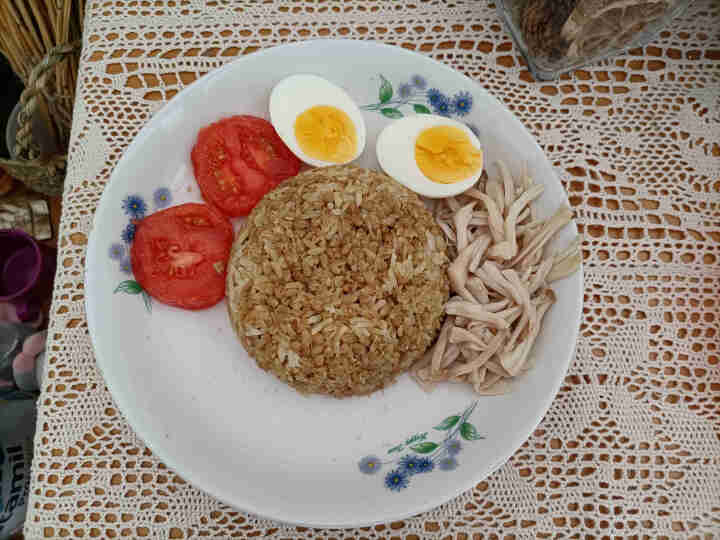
[(432, 155), (317, 120)]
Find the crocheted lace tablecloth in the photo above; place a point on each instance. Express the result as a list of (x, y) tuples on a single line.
[(631, 444)]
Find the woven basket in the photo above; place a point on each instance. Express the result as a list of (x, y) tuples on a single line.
[(31, 164)]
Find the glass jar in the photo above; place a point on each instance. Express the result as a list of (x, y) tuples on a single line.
[(556, 36)]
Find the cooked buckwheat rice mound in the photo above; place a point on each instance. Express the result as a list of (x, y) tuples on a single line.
[(337, 282)]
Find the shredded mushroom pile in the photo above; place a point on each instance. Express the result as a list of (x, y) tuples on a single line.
[(499, 279)]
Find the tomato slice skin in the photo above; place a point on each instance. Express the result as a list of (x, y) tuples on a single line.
[(237, 160), (179, 255)]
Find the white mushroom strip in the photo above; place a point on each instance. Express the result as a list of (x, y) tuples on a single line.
[(462, 322), (476, 286), (514, 359), (461, 220), (453, 204), (443, 213), (447, 230), (511, 314), (545, 295), (526, 180), (477, 377), (419, 374), (479, 252), (524, 215), (494, 279), (508, 186), (494, 190), (479, 217), (480, 230), (502, 251), (452, 351), (460, 335), (498, 388), (496, 306), (495, 219), (509, 248), (529, 313), (566, 262), (529, 227), (495, 367), (481, 330), (439, 349), (478, 360), (458, 269), (559, 219), (476, 312), (490, 380), (499, 276), (469, 350), (541, 275)]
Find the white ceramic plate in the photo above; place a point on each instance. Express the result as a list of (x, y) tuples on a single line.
[(195, 397)]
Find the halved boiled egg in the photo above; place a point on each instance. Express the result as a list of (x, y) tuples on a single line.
[(317, 120), (432, 155)]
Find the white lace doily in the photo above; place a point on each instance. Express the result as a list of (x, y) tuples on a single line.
[(631, 445)]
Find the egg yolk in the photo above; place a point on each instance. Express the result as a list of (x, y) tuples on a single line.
[(326, 133), (445, 154)]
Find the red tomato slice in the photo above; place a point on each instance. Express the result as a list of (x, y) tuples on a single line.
[(237, 160), (179, 255)]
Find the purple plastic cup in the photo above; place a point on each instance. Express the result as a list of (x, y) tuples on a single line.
[(27, 270)]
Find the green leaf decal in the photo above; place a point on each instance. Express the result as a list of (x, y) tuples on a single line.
[(386, 90), (395, 449), (147, 300), (391, 112), (469, 433), (424, 448), (129, 286), (448, 423), (421, 109), (417, 437)]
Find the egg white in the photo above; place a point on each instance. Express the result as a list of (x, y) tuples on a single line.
[(297, 93), (395, 150)]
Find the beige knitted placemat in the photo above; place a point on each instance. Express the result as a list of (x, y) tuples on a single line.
[(631, 445)]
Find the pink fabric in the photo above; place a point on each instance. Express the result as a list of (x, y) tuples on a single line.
[(24, 362), (8, 313)]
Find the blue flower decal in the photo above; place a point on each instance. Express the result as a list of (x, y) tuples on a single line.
[(442, 106), (410, 464), (419, 82), (448, 464), (126, 266), (396, 480), (419, 453), (425, 465), (128, 234), (417, 96), (435, 96), (134, 206), (453, 447), (116, 252), (162, 197), (462, 103), (370, 464), (405, 91)]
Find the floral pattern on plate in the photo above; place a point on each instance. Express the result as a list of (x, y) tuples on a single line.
[(135, 207), (418, 455), (418, 96)]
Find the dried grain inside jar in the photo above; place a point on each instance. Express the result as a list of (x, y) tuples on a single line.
[(556, 36)]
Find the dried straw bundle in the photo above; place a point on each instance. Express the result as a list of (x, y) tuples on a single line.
[(40, 39)]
